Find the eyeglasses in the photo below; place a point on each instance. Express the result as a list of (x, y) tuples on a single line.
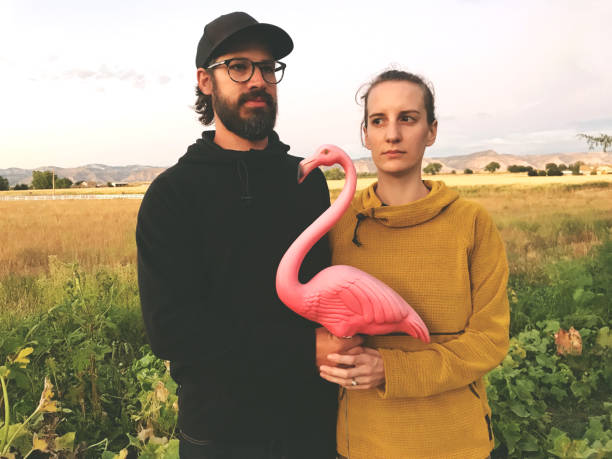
[(241, 69)]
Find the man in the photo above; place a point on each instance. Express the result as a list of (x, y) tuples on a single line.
[(211, 232)]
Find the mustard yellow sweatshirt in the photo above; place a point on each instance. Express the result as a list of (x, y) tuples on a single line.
[(444, 256)]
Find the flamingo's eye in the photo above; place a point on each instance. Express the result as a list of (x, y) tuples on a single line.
[(325, 152)]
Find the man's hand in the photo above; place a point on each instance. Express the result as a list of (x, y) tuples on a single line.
[(330, 344), (356, 372)]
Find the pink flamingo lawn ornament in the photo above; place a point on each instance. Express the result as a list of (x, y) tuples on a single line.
[(343, 299)]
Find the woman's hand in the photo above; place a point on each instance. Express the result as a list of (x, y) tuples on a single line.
[(365, 370)]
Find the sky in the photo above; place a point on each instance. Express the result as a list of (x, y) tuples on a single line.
[(113, 82)]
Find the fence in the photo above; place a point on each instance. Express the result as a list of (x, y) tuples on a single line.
[(71, 196)]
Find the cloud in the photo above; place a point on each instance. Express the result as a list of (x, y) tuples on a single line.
[(138, 80), (594, 124)]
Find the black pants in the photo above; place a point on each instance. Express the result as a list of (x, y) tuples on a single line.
[(214, 450)]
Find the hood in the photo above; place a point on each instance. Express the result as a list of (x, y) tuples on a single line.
[(205, 150), (439, 197)]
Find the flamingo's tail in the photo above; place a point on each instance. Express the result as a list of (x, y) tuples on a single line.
[(414, 326)]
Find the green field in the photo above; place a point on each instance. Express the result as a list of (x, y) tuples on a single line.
[(69, 312)]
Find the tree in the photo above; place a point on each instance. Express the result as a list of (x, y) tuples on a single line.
[(492, 166), (42, 180), (63, 183), (604, 140), (432, 168), (468, 171), (553, 169), (517, 168), (21, 186), (575, 168), (334, 173), (4, 184), (532, 173), (550, 166)]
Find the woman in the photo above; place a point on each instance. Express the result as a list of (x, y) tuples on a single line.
[(401, 398)]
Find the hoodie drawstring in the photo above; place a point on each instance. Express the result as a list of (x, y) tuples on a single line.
[(243, 176), (360, 218)]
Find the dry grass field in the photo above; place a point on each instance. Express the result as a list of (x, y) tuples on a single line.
[(498, 179), (91, 233), (562, 219), (136, 189)]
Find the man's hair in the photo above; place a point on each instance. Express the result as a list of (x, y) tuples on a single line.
[(203, 107), (398, 75)]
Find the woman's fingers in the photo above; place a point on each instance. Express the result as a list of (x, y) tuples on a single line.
[(362, 382), (362, 371), (342, 373)]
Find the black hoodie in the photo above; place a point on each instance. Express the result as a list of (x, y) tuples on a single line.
[(211, 232)]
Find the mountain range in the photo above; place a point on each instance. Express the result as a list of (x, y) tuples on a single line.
[(100, 173)]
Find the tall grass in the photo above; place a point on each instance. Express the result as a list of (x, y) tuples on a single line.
[(92, 233)]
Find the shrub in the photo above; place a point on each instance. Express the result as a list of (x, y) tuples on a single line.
[(334, 173)]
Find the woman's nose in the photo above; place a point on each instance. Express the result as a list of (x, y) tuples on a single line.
[(393, 133)]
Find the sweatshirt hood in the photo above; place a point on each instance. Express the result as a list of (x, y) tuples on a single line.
[(205, 150), (367, 204)]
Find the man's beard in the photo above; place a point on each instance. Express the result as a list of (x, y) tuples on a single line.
[(258, 123)]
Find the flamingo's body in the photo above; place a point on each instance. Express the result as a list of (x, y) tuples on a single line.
[(343, 299)]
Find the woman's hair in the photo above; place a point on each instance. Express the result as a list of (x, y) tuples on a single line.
[(397, 75), (203, 107)]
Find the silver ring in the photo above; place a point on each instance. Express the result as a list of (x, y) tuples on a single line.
[(354, 382)]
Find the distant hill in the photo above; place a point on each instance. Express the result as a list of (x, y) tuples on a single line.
[(98, 173), (477, 161)]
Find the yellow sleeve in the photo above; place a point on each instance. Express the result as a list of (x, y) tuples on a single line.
[(443, 367)]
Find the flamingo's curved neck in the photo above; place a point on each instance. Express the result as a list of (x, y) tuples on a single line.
[(291, 292)]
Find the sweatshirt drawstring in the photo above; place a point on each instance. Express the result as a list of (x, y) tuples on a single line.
[(243, 176), (360, 218)]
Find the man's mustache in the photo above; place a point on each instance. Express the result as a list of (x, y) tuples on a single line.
[(256, 94)]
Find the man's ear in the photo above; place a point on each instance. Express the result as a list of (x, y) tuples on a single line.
[(204, 81)]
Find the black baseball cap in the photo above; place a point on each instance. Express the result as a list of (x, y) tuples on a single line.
[(239, 24)]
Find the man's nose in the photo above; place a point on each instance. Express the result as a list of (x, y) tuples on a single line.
[(257, 80)]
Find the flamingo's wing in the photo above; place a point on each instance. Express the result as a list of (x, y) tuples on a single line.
[(346, 299), (344, 291)]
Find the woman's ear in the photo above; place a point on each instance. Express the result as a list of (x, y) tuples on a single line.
[(204, 81), (433, 132), (366, 140)]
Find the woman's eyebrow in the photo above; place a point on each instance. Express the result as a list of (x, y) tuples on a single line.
[(403, 112)]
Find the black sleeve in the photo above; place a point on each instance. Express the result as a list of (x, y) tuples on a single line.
[(172, 291)]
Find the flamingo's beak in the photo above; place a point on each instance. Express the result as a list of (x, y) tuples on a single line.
[(304, 168)]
